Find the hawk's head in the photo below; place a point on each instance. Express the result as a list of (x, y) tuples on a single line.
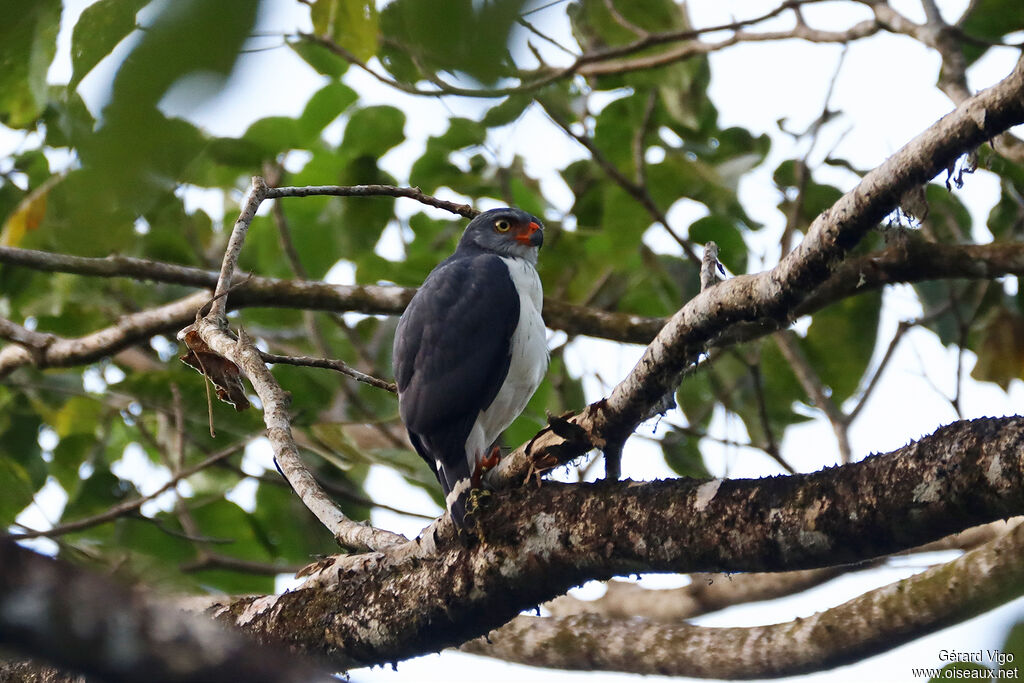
[(506, 232)]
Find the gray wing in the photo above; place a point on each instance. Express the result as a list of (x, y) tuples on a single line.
[(452, 346)]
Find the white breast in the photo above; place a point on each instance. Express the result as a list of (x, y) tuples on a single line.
[(527, 367)]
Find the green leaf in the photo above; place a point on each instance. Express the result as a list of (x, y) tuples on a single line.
[(324, 107), (683, 103), (19, 436), (347, 456), (732, 250), (352, 24), (28, 42), (17, 490), (274, 135), (139, 153), (988, 21), (814, 200), (682, 454), (85, 218), (68, 456), (840, 341), (186, 37), (456, 36), (681, 171), (80, 415), (68, 121), (372, 131), (434, 168), (507, 111), (287, 528), (97, 493), (1006, 219), (1012, 652), (98, 31), (319, 57), (616, 128), (696, 397)]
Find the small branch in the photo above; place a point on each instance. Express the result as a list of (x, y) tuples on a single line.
[(890, 350), (815, 388), (257, 193), (692, 49), (705, 593), (771, 445), (217, 561), (131, 506), (639, 148), (911, 261), (246, 356), (605, 60), (945, 594), (35, 341), (463, 210), (242, 354), (330, 364)]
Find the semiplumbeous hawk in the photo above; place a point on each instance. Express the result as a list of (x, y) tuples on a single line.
[(470, 350)]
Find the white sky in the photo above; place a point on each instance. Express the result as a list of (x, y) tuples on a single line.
[(886, 93)]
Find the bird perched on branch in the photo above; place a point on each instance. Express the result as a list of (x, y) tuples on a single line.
[(470, 350)]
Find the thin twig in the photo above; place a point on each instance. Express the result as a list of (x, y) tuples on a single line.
[(637, 192), (330, 364), (606, 60), (130, 506), (257, 193), (464, 210), (815, 388)]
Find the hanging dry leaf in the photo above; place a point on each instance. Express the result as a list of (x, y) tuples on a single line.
[(224, 374)]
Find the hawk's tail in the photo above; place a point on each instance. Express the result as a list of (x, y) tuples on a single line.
[(452, 473), (457, 485)]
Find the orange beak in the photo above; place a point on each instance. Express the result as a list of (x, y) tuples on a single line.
[(531, 235)]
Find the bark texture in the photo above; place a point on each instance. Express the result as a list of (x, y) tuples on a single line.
[(535, 543), (870, 623), (88, 624)]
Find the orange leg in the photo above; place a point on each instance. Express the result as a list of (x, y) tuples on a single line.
[(483, 465)]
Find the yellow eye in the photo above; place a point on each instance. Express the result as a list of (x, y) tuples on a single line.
[(502, 225)]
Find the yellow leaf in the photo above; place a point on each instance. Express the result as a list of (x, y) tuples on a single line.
[(28, 214)]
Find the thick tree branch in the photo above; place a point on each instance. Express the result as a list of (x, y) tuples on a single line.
[(712, 592), (909, 260), (51, 610), (130, 329), (537, 542), (705, 593), (870, 623)]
